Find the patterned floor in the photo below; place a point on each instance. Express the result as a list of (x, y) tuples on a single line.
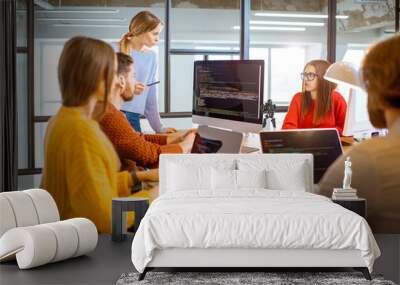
[(269, 278)]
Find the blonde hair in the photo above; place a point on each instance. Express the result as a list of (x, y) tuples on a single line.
[(381, 75), (84, 63), (141, 23)]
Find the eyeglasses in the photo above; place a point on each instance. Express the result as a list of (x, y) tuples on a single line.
[(308, 76)]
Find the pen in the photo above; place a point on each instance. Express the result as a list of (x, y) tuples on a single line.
[(153, 83)]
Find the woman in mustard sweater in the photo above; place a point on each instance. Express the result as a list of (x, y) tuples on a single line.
[(81, 168)]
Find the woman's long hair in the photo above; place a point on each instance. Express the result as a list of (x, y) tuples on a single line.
[(85, 63), (141, 23), (381, 75), (323, 103)]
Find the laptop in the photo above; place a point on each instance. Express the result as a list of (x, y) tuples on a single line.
[(213, 140), (324, 144)]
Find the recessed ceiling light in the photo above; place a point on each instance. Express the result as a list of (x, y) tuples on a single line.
[(89, 26), (81, 19), (286, 15), (258, 28), (310, 24), (104, 11), (212, 48)]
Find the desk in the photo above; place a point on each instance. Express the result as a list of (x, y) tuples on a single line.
[(102, 266), (347, 141)]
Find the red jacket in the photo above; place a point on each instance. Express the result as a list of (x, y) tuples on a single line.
[(334, 119)]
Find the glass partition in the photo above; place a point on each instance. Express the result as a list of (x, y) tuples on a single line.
[(287, 34), (56, 21)]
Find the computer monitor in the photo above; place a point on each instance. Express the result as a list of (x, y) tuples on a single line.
[(229, 94), (357, 121), (346, 75), (323, 144)]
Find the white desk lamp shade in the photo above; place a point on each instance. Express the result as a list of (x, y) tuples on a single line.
[(344, 73)]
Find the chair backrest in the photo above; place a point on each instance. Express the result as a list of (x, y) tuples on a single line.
[(293, 168), (26, 208)]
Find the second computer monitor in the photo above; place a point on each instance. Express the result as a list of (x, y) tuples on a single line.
[(357, 121), (229, 94)]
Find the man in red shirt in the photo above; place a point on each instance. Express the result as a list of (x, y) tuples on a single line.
[(134, 147)]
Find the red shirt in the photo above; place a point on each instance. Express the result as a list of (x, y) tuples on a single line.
[(333, 119)]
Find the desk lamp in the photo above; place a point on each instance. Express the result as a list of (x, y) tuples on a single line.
[(345, 73)]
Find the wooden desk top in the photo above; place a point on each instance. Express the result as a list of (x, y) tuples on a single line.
[(347, 141)]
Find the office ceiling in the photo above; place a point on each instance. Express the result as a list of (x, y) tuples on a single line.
[(366, 15), (363, 14), (271, 5)]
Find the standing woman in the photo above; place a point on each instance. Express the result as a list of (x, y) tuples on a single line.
[(144, 33), (318, 105)]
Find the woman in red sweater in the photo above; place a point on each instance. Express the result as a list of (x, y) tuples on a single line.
[(318, 105)]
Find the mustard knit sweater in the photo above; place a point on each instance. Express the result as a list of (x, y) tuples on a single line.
[(81, 169)]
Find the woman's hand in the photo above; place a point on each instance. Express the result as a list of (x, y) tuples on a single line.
[(139, 88)]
